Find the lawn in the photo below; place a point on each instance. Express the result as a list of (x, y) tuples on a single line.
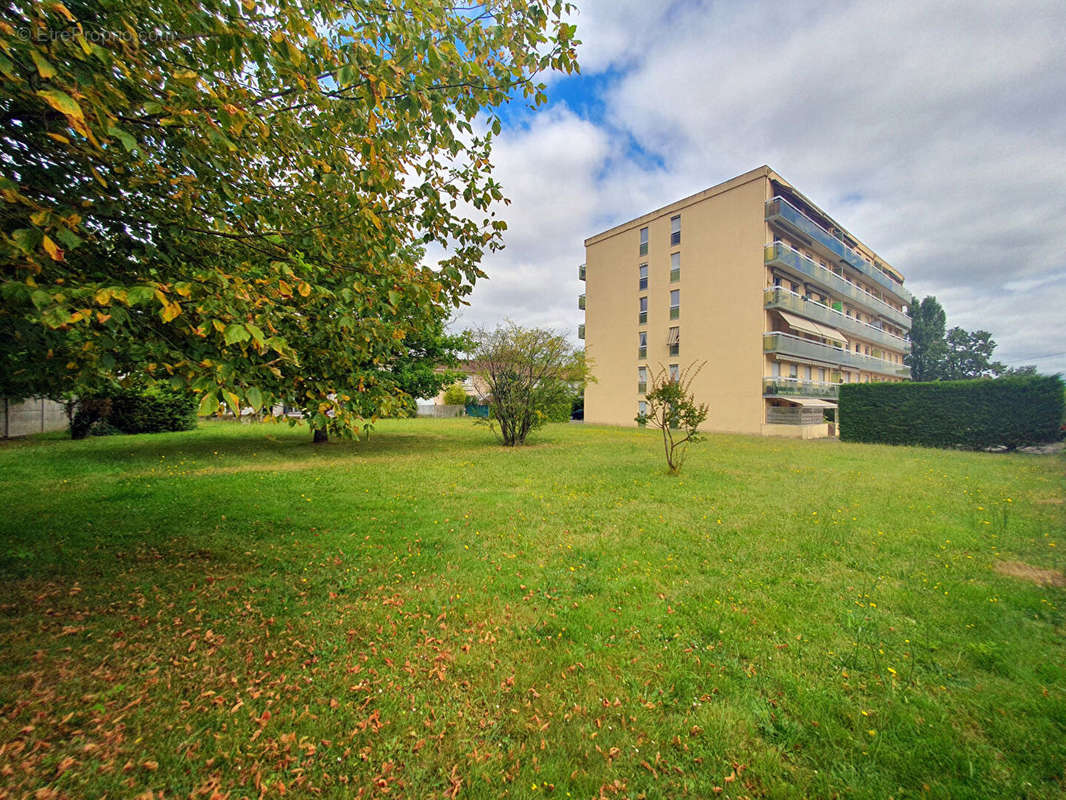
[(234, 612)]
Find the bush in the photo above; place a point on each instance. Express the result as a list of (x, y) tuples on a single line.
[(154, 408), (977, 414), (455, 395)]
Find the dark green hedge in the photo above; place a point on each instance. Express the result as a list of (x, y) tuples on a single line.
[(1002, 412), (142, 409)]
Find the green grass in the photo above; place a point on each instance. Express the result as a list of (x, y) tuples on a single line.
[(426, 613)]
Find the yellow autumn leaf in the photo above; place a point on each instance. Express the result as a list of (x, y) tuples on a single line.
[(170, 311), (52, 249)]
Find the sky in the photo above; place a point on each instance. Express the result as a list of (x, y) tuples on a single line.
[(934, 132)]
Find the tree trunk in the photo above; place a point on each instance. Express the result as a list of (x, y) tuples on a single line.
[(321, 436)]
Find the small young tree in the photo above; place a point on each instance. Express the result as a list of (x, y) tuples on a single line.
[(526, 375), (672, 408)]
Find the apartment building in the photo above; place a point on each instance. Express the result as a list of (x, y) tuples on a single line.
[(750, 278)]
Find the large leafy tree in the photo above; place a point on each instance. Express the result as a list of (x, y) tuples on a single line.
[(928, 346), (232, 195), (969, 355)]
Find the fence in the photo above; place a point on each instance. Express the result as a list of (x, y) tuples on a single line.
[(36, 415), (441, 411)]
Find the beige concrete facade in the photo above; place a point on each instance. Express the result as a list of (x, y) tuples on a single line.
[(780, 302)]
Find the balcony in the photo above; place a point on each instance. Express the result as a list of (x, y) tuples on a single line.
[(580, 331), (581, 301), (779, 255), (581, 272), (782, 298), (794, 387), (789, 345), (780, 212)]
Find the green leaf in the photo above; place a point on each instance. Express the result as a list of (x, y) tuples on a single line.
[(254, 397), (140, 294), (44, 66), (208, 403), (128, 141), (62, 102), (68, 237), (236, 333), (233, 402), (27, 239)]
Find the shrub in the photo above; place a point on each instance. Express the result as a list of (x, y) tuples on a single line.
[(455, 395), (154, 408), (978, 414)]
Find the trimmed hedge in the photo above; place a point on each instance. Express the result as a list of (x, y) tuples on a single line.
[(977, 414), (152, 409)]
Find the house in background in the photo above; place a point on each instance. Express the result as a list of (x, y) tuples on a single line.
[(781, 302)]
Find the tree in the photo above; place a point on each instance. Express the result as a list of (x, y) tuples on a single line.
[(672, 408), (1026, 370), (928, 347), (528, 374), (969, 355), (233, 197)]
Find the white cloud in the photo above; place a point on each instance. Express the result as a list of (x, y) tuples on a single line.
[(935, 132)]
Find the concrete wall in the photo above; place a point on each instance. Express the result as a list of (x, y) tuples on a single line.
[(31, 416)]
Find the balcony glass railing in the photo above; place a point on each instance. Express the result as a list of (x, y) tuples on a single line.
[(782, 298), (784, 213), (780, 255), (580, 331), (581, 301), (794, 387), (581, 272), (787, 344)]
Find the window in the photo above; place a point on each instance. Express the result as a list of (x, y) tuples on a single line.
[(643, 316), (643, 277), (793, 371), (775, 369), (808, 373), (675, 267), (642, 344), (674, 341), (795, 287), (643, 241), (642, 408), (642, 379), (675, 372), (777, 281), (821, 374), (675, 303), (675, 231)]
